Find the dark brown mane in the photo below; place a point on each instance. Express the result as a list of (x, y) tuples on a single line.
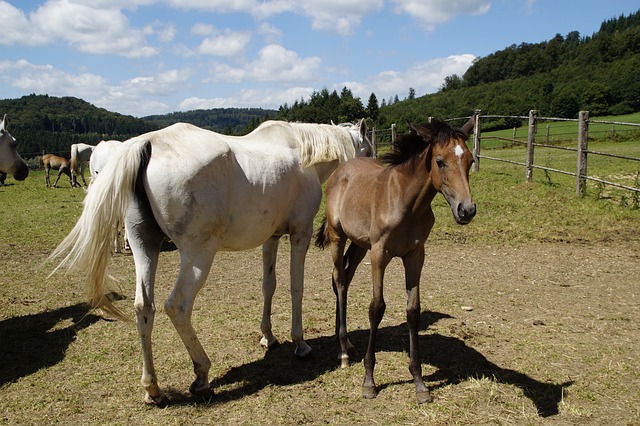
[(409, 145)]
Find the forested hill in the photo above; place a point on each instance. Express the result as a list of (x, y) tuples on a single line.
[(559, 77), (223, 120), (51, 124)]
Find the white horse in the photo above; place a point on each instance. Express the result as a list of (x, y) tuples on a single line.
[(207, 192), (102, 153), (10, 160), (80, 156)]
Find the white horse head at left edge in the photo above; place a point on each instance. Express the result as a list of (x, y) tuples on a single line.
[(10, 160)]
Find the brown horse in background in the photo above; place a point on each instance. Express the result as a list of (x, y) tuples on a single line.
[(387, 210), (61, 164)]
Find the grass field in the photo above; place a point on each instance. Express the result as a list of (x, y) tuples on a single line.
[(530, 316)]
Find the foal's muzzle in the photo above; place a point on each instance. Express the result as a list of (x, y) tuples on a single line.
[(464, 213)]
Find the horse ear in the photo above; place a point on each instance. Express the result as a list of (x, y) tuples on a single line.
[(469, 125), (412, 128), (3, 125), (332, 123), (363, 126)]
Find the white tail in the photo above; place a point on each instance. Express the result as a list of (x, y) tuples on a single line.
[(88, 245)]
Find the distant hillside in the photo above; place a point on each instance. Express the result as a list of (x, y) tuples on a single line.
[(50, 124), (223, 120), (558, 77)]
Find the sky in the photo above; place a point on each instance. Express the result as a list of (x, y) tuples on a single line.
[(145, 57)]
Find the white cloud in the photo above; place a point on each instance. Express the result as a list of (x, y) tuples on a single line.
[(424, 77), (434, 12), (230, 43), (45, 79), (274, 63), (256, 98), (83, 25)]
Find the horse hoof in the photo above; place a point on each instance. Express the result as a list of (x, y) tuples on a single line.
[(270, 343), (302, 350), (159, 401), (424, 397), (369, 392), (344, 361), (204, 393)]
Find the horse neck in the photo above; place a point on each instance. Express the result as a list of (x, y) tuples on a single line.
[(417, 189), (324, 170)]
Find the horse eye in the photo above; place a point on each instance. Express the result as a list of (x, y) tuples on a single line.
[(440, 162)]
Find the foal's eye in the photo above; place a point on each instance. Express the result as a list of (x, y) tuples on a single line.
[(440, 162)]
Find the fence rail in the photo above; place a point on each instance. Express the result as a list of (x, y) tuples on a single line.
[(530, 143)]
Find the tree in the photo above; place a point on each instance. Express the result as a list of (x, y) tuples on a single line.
[(372, 107), (412, 93)]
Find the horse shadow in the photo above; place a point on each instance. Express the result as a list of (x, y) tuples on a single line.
[(454, 360), (32, 342)]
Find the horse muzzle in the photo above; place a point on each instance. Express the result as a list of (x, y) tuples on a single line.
[(464, 213), (21, 172)]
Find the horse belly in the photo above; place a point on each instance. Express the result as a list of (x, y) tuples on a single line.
[(217, 205)]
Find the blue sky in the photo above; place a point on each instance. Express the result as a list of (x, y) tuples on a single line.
[(143, 57)]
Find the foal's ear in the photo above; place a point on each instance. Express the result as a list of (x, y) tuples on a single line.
[(469, 125), (3, 125), (363, 126)]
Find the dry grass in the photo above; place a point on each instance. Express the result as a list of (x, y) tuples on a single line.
[(550, 338)]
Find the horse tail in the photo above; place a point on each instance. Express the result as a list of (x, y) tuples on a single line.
[(75, 167), (88, 245), (322, 239)]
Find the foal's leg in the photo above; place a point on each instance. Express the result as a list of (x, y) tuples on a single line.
[(55, 184), (351, 259), (379, 262), (194, 269), (413, 267), (269, 254)]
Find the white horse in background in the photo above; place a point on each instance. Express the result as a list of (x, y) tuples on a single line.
[(207, 192), (80, 156), (10, 161), (102, 153)]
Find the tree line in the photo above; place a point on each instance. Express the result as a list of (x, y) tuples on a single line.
[(558, 77)]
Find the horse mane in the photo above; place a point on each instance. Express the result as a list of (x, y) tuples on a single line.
[(321, 143), (410, 145)]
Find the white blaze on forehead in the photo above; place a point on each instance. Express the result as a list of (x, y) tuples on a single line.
[(458, 151)]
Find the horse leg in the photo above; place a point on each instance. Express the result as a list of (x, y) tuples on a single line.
[(269, 254), (413, 268), (351, 259), (194, 269), (379, 262), (145, 247), (299, 244), (47, 180), (55, 184)]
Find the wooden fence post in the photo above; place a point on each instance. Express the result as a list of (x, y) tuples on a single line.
[(531, 138), (583, 140), (476, 142), (393, 133), (374, 142)]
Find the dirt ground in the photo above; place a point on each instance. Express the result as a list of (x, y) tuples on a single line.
[(544, 333)]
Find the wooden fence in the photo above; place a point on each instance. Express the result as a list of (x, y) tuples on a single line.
[(533, 119)]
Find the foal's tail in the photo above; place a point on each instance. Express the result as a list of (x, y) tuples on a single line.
[(88, 245), (322, 239)]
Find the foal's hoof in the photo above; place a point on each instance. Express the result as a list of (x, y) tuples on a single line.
[(369, 392), (302, 350), (159, 401), (424, 397), (204, 393)]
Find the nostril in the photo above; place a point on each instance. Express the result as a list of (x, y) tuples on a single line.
[(465, 212)]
